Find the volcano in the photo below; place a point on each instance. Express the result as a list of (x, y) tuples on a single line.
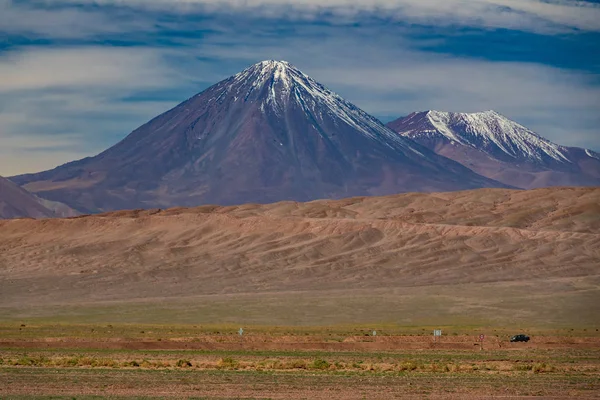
[(501, 149), (267, 134)]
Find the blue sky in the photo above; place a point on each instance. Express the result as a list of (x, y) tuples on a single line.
[(76, 76)]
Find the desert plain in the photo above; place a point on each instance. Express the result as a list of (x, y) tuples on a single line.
[(336, 298)]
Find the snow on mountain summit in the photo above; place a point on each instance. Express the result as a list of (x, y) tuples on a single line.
[(488, 131), (289, 87)]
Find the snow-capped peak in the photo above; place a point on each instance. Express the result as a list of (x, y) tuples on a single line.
[(277, 69), (491, 131), (274, 65), (278, 86), (280, 71)]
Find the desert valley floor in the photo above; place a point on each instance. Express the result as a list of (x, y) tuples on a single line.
[(484, 256), (147, 304)]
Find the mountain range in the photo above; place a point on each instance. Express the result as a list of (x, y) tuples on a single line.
[(500, 149), (272, 133), (267, 134)]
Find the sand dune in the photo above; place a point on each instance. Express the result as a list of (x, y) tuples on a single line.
[(355, 244)]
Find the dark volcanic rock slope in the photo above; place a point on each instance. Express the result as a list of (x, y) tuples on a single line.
[(266, 134), (496, 147)]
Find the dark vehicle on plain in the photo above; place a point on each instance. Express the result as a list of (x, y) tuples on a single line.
[(520, 338)]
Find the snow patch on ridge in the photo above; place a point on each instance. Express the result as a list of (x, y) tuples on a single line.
[(592, 154)]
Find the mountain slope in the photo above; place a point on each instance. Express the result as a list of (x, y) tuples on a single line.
[(498, 148), (16, 202), (266, 134)]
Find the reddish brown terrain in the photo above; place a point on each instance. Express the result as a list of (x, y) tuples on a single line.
[(148, 303), (466, 255), (266, 342)]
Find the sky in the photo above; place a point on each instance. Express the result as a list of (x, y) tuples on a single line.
[(77, 76)]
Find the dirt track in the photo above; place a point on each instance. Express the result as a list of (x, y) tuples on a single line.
[(259, 343)]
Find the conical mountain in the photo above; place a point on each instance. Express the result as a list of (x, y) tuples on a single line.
[(501, 149), (269, 133)]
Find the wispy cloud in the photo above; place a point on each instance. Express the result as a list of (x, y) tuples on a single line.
[(40, 68), (511, 14), (16, 153), (25, 18), (67, 103)]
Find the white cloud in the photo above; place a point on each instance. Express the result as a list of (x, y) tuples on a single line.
[(39, 131), (20, 154), (40, 68), (65, 23), (528, 15), (57, 105)]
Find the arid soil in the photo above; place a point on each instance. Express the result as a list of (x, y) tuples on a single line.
[(542, 241), (29, 383), (288, 343), (235, 373)]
